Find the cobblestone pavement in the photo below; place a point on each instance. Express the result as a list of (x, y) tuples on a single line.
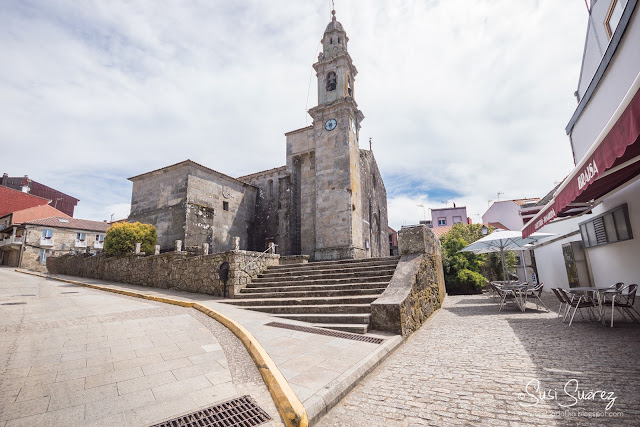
[(470, 365), (76, 356)]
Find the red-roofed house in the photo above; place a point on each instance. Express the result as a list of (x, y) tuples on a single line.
[(36, 239), (59, 200), (13, 200)]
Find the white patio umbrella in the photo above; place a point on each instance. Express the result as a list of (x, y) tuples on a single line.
[(501, 241)]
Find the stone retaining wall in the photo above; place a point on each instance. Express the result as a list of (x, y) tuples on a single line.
[(172, 270), (417, 288)]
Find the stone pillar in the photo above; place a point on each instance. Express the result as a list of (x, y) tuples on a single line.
[(138, 248), (205, 249), (157, 250), (236, 243), (178, 245), (418, 239)]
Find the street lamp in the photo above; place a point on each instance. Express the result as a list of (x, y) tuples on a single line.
[(484, 230)]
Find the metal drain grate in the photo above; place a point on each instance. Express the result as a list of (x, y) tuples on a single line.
[(327, 332), (242, 411), (13, 303)]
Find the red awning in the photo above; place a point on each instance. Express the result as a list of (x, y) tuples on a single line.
[(607, 166)]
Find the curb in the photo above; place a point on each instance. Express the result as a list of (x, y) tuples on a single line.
[(327, 398), (289, 406)]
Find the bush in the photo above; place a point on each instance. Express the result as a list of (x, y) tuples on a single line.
[(472, 278), (122, 237)]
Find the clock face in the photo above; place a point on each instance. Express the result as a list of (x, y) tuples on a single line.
[(330, 124)]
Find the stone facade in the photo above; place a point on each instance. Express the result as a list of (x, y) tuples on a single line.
[(37, 250), (195, 204), (328, 201), (171, 270), (417, 287)]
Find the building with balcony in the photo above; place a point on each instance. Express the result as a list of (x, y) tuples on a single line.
[(31, 242)]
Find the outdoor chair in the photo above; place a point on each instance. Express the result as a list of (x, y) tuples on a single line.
[(606, 298), (506, 295), (535, 292), (560, 297), (582, 301), (625, 300)]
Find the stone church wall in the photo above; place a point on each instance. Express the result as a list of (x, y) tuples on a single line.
[(374, 204), (159, 199), (206, 219), (265, 228), (171, 270), (186, 202)]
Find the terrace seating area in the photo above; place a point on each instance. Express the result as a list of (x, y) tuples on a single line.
[(595, 300)]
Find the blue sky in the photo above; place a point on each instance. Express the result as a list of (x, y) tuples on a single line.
[(463, 99)]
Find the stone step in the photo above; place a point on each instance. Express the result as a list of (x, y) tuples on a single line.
[(360, 299), (319, 293), (358, 318), (345, 263), (263, 283), (346, 327), (324, 274), (334, 273), (309, 309), (292, 287)]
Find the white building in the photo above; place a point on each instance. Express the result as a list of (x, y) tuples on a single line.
[(596, 210), (508, 212)]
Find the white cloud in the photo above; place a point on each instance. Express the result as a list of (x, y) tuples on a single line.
[(467, 97)]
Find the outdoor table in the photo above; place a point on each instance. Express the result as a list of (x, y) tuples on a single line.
[(517, 292), (599, 292)]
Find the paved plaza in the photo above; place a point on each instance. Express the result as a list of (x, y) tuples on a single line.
[(70, 355), (470, 365)]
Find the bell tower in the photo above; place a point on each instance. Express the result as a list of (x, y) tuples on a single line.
[(336, 124)]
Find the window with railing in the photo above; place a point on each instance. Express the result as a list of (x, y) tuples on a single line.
[(47, 237), (81, 239)]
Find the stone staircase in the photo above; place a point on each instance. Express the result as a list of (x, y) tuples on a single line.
[(328, 294)]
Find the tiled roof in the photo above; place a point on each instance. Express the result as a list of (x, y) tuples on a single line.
[(35, 213), (498, 225), (13, 200), (73, 223), (521, 202), (442, 230), (391, 230)]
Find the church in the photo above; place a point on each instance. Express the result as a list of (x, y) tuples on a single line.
[(328, 201)]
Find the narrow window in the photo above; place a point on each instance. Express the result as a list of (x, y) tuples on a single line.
[(339, 40), (613, 17), (225, 206), (270, 188), (331, 81)]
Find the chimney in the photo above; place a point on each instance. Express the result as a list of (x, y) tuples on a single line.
[(26, 184), (5, 178)]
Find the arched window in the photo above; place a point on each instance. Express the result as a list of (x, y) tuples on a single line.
[(331, 81)]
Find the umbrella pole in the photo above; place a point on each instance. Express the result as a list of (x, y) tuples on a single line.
[(504, 264)]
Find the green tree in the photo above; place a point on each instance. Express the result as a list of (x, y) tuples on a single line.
[(466, 269), (122, 237)]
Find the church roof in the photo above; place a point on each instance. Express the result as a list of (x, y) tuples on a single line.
[(334, 24)]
